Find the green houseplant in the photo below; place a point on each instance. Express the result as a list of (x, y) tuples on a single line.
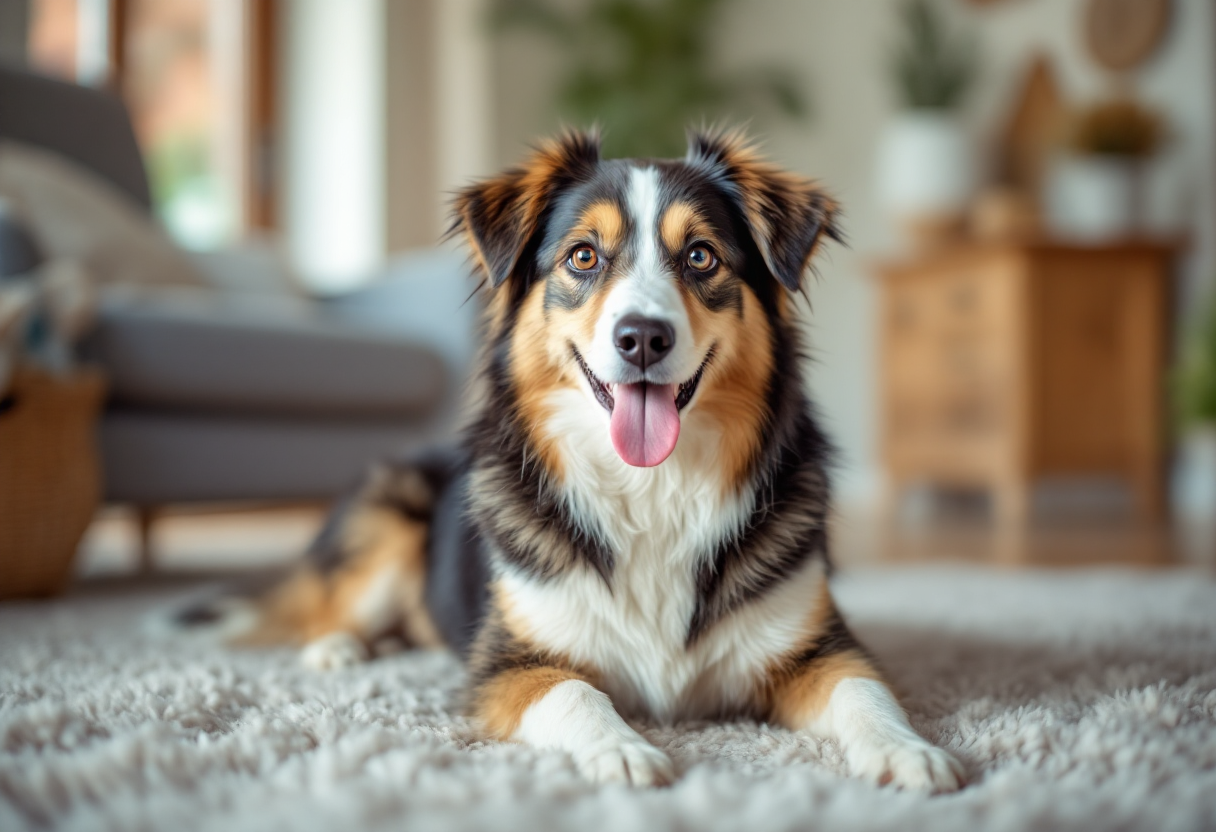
[(1194, 395), (925, 169), (932, 67), (1195, 378), (1096, 185), (645, 69)]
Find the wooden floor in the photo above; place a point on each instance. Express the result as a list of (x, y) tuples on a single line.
[(225, 541), (194, 541), (1058, 535)]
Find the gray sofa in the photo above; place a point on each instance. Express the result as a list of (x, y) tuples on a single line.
[(252, 392)]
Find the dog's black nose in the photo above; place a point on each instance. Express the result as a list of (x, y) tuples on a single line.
[(643, 342)]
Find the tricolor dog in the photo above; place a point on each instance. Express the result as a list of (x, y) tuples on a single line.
[(635, 527)]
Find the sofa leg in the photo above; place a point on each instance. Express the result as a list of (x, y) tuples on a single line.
[(145, 516)]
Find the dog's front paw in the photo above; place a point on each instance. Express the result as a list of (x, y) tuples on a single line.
[(910, 765), (333, 651), (632, 761)]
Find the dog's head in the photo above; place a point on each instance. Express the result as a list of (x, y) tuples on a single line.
[(654, 287)]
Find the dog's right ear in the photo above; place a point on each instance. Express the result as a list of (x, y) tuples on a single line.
[(788, 216), (499, 216)]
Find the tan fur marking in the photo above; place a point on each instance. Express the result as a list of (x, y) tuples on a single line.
[(804, 697), (734, 387), (393, 540), (537, 350), (682, 222), (310, 604), (502, 701), (602, 221), (798, 694)]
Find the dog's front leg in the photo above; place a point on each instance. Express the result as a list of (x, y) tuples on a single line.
[(842, 697), (553, 708)]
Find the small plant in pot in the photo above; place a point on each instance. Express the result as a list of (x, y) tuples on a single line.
[(925, 166), (1094, 191), (1194, 394)]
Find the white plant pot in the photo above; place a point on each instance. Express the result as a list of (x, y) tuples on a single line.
[(925, 166), (1196, 492), (1092, 198)]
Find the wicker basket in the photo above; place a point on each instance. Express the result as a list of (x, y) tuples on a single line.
[(49, 479)]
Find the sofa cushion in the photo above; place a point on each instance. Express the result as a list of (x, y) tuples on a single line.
[(198, 353)]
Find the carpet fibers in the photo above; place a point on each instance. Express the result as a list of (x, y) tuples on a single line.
[(1081, 700)]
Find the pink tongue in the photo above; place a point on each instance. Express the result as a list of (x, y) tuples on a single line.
[(645, 423)]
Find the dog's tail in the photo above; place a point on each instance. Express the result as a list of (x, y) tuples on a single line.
[(224, 615), (364, 575)]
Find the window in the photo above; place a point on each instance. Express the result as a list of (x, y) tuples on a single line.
[(197, 76)]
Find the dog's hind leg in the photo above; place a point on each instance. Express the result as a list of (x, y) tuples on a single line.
[(364, 579)]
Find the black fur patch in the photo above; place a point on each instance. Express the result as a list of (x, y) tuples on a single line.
[(835, 638), (788, 524), (515, 507)]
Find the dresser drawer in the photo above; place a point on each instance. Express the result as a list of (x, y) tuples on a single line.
[(960, 300), (981, 409), (937, 362)]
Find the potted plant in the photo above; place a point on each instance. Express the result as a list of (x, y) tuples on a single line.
[(1094, 188), (925, 167), (1194, 389), (646, 69)]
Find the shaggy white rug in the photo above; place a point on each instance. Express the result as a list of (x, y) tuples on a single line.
[(1077, 701)]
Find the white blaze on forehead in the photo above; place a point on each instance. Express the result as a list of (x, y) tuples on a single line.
[(644, 208), (647, 287)]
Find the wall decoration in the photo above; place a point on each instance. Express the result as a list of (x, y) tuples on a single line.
[(1121, 35), (1033, 129)]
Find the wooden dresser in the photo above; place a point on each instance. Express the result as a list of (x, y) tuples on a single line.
[(1005, 363)]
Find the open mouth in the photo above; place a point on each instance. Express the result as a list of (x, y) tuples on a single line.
[(645, 417), (603, 392)]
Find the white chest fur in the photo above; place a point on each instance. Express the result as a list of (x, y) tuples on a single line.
[(661, 523)]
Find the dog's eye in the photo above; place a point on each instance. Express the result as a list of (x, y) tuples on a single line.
[(701, 258), (584, 259)]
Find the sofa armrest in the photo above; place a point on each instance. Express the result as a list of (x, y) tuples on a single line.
[(426, 295)]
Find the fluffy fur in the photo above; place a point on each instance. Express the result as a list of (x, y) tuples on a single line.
[(595, 565)]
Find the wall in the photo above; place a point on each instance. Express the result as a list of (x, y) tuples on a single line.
[(411, 180), (334, 135), (14, 23), (367, 140), (840, 49)]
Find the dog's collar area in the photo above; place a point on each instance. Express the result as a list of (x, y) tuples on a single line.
[(603, 393)]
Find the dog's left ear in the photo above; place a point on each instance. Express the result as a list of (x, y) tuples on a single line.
[(500, 216), (788, 216)]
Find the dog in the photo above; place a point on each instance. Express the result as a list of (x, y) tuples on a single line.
[(635, 523)]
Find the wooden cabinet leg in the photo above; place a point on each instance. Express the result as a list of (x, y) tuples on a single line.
[(1012, 503), (145, 516), (1012, 506), (890, 503), (1148, 490)]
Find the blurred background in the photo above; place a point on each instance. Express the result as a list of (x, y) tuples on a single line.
[(222, 291)]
